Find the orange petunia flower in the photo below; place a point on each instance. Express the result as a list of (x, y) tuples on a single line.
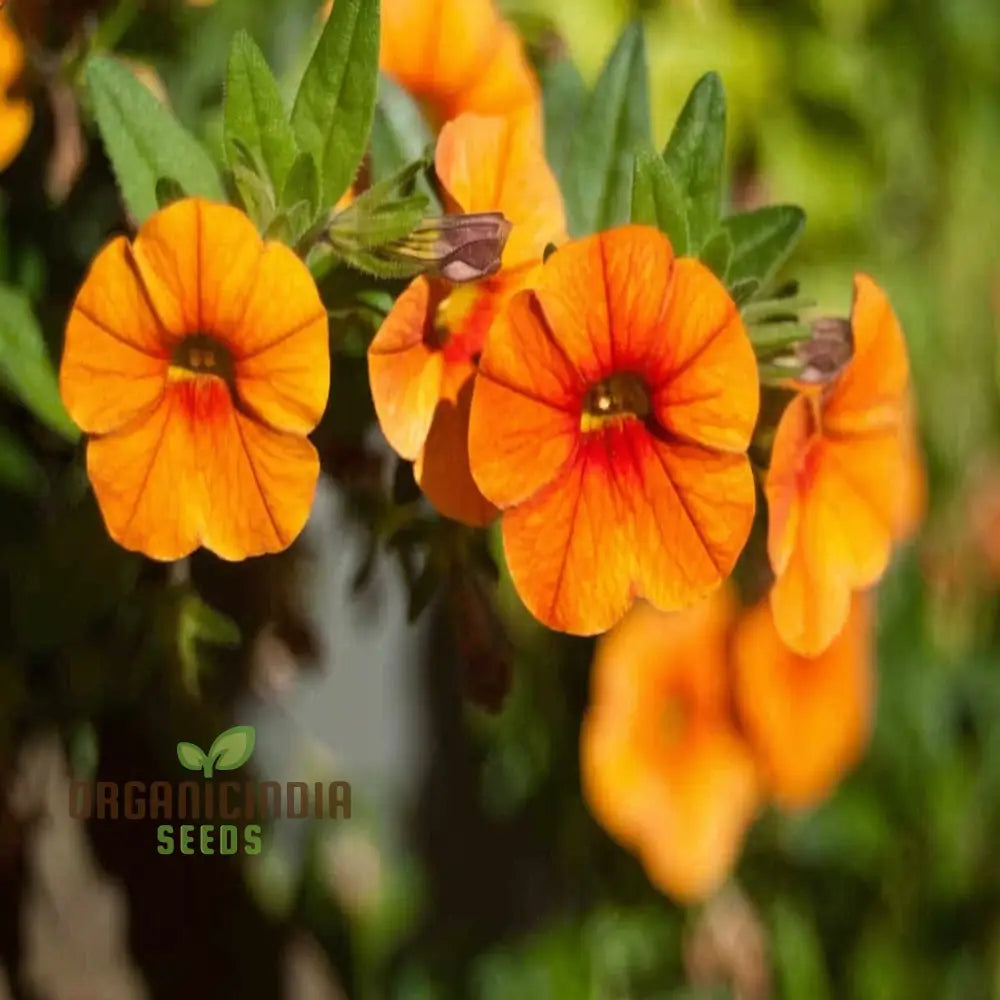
[(663, 766), (808, 719), (15, 115), (456, 56), (840, 488), (198, 358), (423, 359), (610, 420)]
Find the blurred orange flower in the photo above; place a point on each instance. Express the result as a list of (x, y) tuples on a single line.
[(808, 719), (423, 359), (610, 420), (844, 481), (456, 57), (664, 768), (197, 356), (15, 115)]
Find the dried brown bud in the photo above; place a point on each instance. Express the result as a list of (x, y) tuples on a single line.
[(827, 351)]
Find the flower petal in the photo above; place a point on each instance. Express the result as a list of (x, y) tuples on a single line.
[(568, 548), (506, 83), (702, 362), (691, 510), (809, 719), (148, 480), (499, 165), (261, 484), (442, 468), (16, 118), (405, 373), (871, 391), (525, 417), (114, 362)]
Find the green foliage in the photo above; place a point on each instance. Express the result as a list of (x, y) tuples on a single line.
[(613, 124), (657, 200), (335, 104), (256, 120), (762, 241), (26, 370), (399, 132), (144, 141)]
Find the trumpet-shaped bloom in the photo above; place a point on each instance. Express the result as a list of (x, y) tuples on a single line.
[(197, 358), (664, 768), (15, 115), (456, 57), (610, 419), (808, 719), (841, 486), (423, 359)]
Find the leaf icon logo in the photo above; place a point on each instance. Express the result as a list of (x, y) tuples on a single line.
[(230, 749)]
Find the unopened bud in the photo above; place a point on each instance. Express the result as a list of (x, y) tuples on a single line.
[(459, 248), (827, 352)]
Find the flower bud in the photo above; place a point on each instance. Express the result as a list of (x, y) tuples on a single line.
[(460, 248), (827, 352)]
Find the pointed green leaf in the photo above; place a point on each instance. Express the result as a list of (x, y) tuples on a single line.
[(335, 104), (144, 141), (302, 184), (717, 253), (399, 132), (26, 370), (233, 748), (762, 241), (255, 114), (191, 756), (695, 156), (615, 121), (564, 95), (657, 201)]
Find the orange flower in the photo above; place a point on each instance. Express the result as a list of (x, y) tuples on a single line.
[(197, 356), (422, 361), (15, 115), (610, 418), (808, 719), (456, 57), (664, 769), (834, 487)]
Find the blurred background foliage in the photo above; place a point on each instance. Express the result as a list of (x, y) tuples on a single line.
[(488, 879)]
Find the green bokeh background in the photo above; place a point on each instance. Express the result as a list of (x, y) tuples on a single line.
[(881, 118)]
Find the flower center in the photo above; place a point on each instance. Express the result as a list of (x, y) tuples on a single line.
[(200, 354), (619, 397)]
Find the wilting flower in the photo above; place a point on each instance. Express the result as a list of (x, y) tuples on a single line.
[(197, 357), (808, 719), (15, 115), (456, 57), (664, 768), (610, 420), (422, 362), (836, 505)]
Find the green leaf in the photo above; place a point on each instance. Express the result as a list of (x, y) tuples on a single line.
[(657, 201), (302, 184), (762, 241), (19, 469), (615, 121), (26, 370), (233, 748), (255, 114), (717, 253), (399, 132), (144, 141), (335, 104), (564, 95), (168, 191), (695, 156), (191, 756)]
